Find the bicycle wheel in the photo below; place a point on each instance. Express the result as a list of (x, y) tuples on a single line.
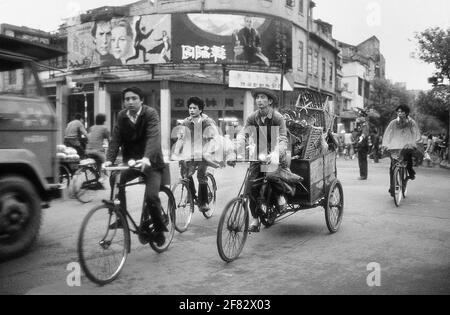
[(103, 251), (85, 184), (334, 207), (398, 186), (184, 205), (212, 196), (233, 230), (168, 212), (64, 176)]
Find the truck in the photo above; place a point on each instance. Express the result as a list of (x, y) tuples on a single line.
[(28, 138)]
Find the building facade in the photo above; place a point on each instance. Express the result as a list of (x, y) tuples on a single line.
[(215, 49), (361, 64)]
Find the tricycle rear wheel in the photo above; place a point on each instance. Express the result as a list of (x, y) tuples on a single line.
[(334, 206)]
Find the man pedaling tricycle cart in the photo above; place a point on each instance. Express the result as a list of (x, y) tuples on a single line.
[(275, 187)]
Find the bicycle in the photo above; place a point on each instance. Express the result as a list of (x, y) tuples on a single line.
[(186, 201), (233, 226), (103, 254), (399, 178), (86, 181)]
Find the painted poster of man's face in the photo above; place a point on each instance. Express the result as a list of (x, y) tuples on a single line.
[(115, 42), (101, 33)]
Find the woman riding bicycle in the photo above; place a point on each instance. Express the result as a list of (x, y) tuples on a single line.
[(402, 135)]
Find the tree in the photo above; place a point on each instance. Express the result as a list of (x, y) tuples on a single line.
[(434, 48), (434, 104), (384, 98)]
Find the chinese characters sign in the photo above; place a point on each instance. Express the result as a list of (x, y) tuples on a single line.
[(231, 39), (250, 80), (203, 53)]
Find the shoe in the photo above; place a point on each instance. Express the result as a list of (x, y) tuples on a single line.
[(204, 208), (412, 177), (159, 238), (362, 178), (282, 209), (116, 225), (255, 226)]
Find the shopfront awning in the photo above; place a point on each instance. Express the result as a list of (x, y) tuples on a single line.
[(14, 51)]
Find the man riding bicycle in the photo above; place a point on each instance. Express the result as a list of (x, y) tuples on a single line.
[(265, 116), (402, 135), (137, 132), (200, 129)]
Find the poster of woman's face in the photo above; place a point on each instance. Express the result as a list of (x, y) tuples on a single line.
[(120, 41)]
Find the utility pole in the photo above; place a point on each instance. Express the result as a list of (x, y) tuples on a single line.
[(283, 69)]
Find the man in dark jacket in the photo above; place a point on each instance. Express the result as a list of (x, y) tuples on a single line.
[(362, 144), (137, 132)]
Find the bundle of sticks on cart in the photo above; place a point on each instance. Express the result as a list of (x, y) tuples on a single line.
[(309, 137)]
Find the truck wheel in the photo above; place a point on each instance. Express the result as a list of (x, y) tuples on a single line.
[(20, 216)]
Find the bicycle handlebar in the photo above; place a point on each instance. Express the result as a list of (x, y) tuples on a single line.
[(132, 164)]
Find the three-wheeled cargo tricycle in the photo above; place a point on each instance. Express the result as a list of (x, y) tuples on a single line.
[(317, 186)]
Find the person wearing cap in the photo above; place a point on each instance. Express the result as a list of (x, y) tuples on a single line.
[(264, 116), (199, 129)]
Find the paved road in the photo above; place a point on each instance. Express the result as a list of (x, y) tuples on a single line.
[(296, 256)]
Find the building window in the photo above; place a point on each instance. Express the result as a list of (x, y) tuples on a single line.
[(310, 56), (316, 63), (290, 3), (324, 64), (12, 77), (331, 73), (301, 51), (300, 7), (366, 89), (360, 86)]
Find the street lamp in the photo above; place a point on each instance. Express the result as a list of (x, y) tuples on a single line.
[(283, 56)]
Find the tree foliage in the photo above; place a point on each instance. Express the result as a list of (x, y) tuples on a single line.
[(434, 103), (384, 98), (434, 48)]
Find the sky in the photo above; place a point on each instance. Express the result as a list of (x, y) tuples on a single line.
[(394, 22)]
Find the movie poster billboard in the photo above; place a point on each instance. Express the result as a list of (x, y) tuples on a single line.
[(122, 41), (230, 39)]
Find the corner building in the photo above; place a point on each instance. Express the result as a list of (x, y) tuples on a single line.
[(175, 49)]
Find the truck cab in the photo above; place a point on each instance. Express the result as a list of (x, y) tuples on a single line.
[(28, 131)]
